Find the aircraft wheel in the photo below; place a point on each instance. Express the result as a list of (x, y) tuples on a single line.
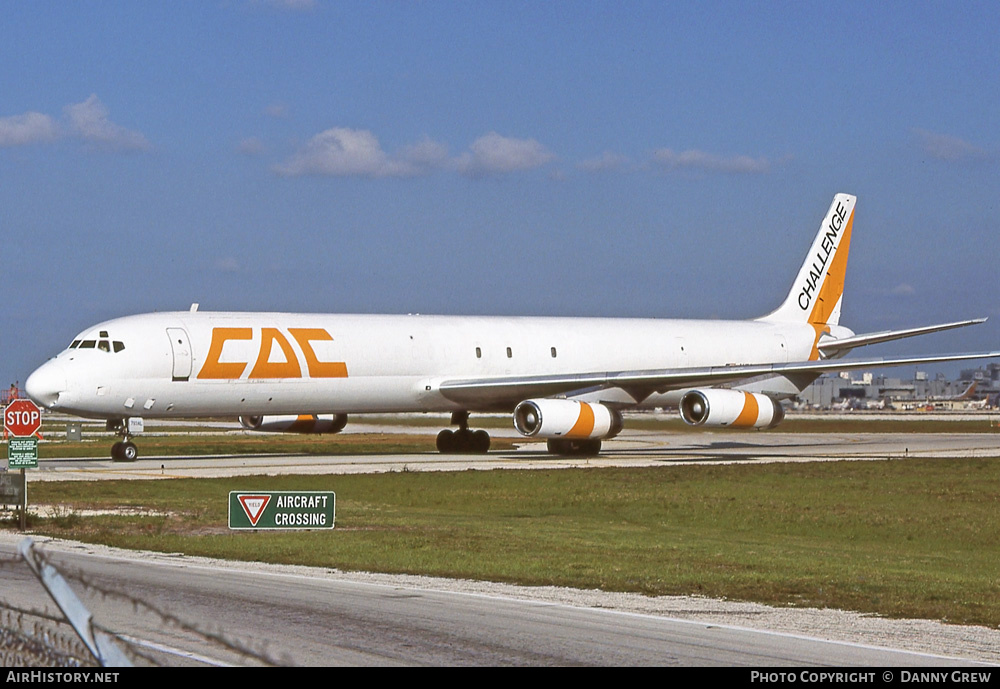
[(463, 441), (116, 451), (446, 441), (129, 452), (480, 442)]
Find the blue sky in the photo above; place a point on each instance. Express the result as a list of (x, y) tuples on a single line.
[(557, 158)]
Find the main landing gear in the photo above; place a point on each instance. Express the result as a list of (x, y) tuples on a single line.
[(464, 440), (124, 450)]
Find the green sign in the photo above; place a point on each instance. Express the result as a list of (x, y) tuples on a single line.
[(311, 509), (22, 453)]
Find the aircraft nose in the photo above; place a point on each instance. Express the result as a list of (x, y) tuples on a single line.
[(44, 385)]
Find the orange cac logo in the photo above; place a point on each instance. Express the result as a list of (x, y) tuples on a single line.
[(264, 368)]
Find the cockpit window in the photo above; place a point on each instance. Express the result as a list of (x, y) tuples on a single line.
[(105, 344)]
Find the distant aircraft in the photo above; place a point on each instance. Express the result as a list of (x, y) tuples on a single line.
[(565, 380), (967, 396)]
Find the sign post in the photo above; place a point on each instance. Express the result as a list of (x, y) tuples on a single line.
[(21, 421)]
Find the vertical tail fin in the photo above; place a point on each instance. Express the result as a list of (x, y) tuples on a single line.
[(816, 294)]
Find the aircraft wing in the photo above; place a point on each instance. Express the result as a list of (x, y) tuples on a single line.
[(505, 391), (830, 347)]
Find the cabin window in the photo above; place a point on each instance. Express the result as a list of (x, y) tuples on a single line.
[(510, 354), (479, 352), (118, 345), (553, 351), (88, 344), (76, 343), (104, 346), (104, 333)]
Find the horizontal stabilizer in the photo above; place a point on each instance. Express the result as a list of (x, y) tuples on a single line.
[(830, 347)]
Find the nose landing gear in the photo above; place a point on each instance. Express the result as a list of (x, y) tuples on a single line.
[(124, 450)]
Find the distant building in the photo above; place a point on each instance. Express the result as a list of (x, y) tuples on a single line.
[(833, 391)]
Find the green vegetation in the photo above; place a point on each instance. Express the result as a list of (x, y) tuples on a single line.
[(908, 538)]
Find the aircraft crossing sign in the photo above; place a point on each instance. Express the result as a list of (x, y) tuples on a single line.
[(309, 509)]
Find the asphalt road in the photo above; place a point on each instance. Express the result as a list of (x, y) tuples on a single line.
[(297, 616)]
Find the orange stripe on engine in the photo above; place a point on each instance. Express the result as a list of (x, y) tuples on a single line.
[(751, 410), (305, 423), (584, 425)]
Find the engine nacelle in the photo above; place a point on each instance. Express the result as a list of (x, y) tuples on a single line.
[(562, 418), (714, 407), (292, 423)]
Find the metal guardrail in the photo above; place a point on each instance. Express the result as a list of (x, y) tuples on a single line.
[(102, 646), (37, 638)]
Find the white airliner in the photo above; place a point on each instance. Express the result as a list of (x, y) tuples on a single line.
[(566, 380)]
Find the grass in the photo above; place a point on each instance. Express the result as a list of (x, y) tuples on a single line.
[(905, 538)]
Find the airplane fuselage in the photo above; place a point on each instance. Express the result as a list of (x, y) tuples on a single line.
[(190, 364)]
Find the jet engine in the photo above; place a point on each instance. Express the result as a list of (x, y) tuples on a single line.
[(292, 423), (562, 418), (716, 407)]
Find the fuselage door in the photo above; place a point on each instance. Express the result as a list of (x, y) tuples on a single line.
[(180, 346)]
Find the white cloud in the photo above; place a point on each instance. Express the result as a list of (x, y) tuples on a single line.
[(946, 147), (89, 121), (494, 154), (29, 128), (709, 162), (341, 152)]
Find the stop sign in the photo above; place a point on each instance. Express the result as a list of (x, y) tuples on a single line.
[(22, 418)]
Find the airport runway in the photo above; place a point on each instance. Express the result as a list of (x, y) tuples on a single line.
[(632, 449)]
